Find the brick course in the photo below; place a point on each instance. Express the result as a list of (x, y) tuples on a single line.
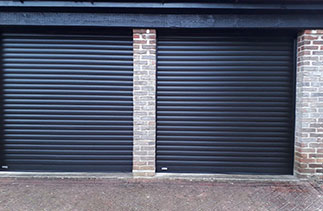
[(309, 105), (144, 100)]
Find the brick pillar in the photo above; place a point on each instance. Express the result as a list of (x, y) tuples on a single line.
[(309, 105), (144, 100)]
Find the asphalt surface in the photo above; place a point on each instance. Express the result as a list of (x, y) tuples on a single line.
[(157, 194)]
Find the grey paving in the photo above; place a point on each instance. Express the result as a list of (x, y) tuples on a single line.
[(157, 194)]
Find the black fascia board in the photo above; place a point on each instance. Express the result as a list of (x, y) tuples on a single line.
[(130, 20), (160, 6)]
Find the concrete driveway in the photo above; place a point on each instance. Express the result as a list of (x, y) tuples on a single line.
[(157, 194)]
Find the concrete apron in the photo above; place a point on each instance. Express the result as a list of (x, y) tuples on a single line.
[(158, 176)]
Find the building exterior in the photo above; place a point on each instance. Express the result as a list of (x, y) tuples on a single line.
[(171, 86)]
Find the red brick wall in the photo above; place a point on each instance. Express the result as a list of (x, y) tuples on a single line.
[(144, 99), (309, 105)]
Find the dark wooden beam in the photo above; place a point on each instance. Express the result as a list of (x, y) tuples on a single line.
[(161, 20), (265, 5)]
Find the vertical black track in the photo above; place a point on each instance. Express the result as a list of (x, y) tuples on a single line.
[(225, 103), (2, 149), (68, 101), (293, 115)]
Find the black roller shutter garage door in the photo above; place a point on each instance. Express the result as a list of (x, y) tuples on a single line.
[(225, 103), (67, 102)]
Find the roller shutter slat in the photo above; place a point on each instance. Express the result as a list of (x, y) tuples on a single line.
[(68, 101), (224, 103)]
